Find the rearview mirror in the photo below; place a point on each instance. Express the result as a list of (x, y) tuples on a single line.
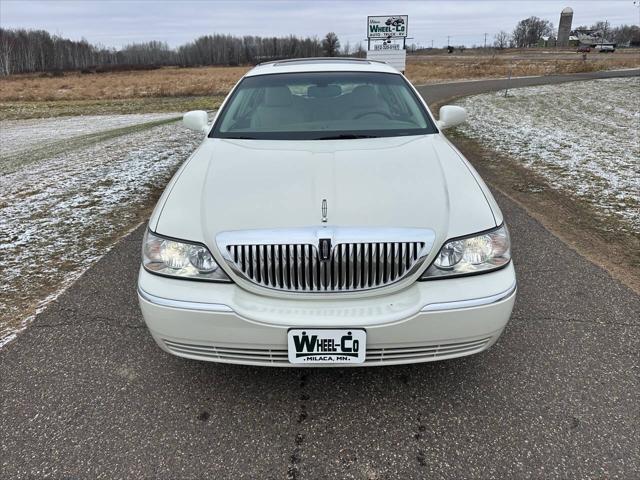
[(450, 116), (196, 120)]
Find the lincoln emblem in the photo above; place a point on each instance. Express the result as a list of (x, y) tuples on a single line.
[(324, 248)]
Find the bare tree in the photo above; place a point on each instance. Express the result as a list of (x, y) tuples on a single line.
[(346, 49), (501, 40), (601, 28), (6, 47), (530, 30), (23, 51), (331, 45), (626, 34)]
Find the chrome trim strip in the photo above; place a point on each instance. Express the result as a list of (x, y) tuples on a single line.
[(473, 302), (311, 235), (185, 305)]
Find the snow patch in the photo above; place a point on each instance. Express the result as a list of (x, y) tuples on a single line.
[(583, 137), (22, 135), (60, 215)]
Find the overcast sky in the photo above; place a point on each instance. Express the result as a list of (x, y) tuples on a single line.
[(115, 23)]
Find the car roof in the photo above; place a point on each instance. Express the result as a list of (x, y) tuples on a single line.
[(321, 64)]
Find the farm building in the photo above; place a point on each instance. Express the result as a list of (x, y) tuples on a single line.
[(547, 41)]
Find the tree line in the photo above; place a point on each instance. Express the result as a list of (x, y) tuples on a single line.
[(529, 31), (28, 51)]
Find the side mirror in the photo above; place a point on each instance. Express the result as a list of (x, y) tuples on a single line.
[(196, 120), (450, 116)]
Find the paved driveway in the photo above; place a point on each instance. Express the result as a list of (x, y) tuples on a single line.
[(85, 393)]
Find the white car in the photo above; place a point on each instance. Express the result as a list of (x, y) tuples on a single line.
[(326, 220)]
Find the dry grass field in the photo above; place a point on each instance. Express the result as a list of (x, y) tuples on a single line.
[(165, 82), (426, 69), (178, 89)]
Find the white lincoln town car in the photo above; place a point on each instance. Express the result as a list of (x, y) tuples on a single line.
[(326, 220)]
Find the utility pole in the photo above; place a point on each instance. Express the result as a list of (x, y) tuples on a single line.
[(431, 44), (448, 40), (485, 41)]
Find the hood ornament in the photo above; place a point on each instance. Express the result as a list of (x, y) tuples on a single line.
[(324, 210)]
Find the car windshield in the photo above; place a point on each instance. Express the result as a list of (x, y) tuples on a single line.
[(322, 106)]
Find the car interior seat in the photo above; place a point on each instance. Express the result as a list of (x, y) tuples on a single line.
[(277, 109), (363, 99)]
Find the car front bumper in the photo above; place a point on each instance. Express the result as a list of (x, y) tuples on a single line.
[(427, 321)]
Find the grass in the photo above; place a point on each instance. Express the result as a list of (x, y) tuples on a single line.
[(441, 68), (576, 223), (17, 110), (67, 201), (163, 90), (165, 82), (589, 148), (571, 159), (175, 89), (12, 162)]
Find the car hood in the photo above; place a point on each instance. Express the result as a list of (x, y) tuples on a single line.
[(385, 182)]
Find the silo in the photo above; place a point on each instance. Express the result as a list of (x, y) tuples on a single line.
[(564, 29)]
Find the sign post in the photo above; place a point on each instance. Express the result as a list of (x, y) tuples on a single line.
[(384, 31)]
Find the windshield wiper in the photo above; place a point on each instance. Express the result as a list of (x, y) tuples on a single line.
[(239, 137), (346, 136)]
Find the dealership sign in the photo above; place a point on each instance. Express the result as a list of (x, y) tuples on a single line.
[(387, 46), (388, 26)]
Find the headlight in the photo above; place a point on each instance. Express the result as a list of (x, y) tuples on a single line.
[(175, 258), (477, 253)]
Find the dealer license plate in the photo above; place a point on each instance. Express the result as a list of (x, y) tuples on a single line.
[(327, 345)]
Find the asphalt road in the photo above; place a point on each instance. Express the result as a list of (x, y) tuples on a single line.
[(85, 393)]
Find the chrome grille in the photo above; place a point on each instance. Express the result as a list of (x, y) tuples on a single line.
[(298, 266)]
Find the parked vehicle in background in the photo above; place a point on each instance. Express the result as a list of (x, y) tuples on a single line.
[(326, 220), (606, 48)]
